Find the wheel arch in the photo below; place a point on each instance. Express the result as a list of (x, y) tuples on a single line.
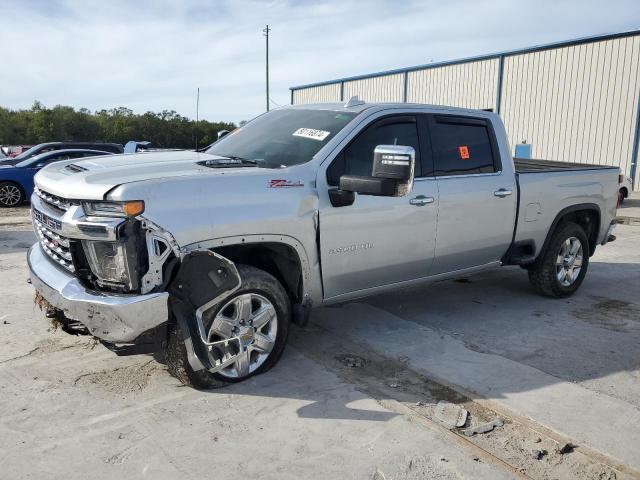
[(587, 215), (282, 256)]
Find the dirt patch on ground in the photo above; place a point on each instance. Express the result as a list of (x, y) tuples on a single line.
[(609, 313), (129, 379)]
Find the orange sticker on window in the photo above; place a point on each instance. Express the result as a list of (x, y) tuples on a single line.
[(464, 152)]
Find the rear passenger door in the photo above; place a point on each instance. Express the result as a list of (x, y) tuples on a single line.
[(476, 213)]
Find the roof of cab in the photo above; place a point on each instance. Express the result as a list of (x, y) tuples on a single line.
[(360, 107)]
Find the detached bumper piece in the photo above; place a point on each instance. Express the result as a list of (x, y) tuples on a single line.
[(113, 318)]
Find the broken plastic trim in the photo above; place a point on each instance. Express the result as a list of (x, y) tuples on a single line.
[(204, 279)]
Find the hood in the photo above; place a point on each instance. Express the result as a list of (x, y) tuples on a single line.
[(93, 178)]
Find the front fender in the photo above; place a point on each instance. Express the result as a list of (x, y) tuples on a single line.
[(311, 275)]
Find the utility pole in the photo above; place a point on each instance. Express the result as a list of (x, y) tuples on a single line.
[(197, 116), (265, 32)]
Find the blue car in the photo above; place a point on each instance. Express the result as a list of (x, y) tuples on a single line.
[(16, 176)]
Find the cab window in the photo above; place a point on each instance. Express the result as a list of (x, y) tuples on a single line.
[(357, 157), (462, 146)]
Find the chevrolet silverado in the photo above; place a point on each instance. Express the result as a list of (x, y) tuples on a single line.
[(216, 252)]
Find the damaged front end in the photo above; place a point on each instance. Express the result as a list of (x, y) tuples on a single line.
[(124, 278)]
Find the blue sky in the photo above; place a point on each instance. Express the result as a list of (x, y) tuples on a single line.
[(152, 55)]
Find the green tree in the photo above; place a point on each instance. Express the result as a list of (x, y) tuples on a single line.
[(165, 129)]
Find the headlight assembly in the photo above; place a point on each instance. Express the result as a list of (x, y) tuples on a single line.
[(108, 261), (113, 209)]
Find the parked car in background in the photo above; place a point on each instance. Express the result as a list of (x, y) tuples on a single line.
[(16, 179), (54, 146), (15, 150), (625, 188)]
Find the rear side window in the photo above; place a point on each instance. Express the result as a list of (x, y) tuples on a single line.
[(462, 146)]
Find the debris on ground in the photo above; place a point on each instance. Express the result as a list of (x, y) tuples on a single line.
[(565, 448), (394, 385), (484, 428), (451, 414), (352, 361), (538, 453)]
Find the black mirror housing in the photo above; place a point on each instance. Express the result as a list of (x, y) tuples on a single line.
[(383, 187)]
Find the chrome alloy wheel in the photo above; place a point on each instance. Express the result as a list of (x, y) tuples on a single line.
[(569, 261), (10, 195), (254, 319)]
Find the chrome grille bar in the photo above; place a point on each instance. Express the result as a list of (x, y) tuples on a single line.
[(53, 200), (55, 246)]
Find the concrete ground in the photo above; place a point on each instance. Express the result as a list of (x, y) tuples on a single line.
[(355, 393)]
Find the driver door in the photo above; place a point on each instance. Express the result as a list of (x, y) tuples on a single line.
[(378, 241)]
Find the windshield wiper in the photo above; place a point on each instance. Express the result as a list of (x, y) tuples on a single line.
[(243, 160), (229, 161)]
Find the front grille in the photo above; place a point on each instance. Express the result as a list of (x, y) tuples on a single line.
[(56, 246), (58, 203)]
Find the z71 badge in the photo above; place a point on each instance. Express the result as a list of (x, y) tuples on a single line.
[(285, 183)]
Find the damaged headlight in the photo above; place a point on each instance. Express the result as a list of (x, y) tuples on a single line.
[(108, 261)]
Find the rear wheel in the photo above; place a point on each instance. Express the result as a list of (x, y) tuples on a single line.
[(10, 195), (258, 313), (560, 270), (622, 194)]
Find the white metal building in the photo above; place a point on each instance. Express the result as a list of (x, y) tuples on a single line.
[(576, 101)]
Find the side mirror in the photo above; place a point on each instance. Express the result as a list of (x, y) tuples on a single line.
[(222, 133), (394, 161), (391, 176)]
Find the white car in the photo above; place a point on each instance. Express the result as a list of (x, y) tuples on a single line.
[(625, 188)]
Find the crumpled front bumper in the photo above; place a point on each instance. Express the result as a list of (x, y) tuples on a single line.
[(110, 317)]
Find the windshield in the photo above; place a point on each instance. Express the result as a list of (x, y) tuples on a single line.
[(27, 153), (29, 162), (282, 138)]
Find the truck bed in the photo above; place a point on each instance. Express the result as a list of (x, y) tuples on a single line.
[(526, 165)]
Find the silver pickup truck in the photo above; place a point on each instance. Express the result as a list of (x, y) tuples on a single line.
[(216, 252)]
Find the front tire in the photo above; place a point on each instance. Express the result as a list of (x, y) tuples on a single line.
[(259, 311), (561, 268), (11, 195)]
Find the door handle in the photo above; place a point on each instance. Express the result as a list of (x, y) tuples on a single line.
[(503, 192), (421, 200)]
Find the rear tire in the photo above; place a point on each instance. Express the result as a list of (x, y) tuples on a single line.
[(11, 195), (622, 194), (255, 283), (559, 271)]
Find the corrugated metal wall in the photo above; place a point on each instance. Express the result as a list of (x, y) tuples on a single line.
[(320, 94), (468, 85), (576, 103), (387, 88)]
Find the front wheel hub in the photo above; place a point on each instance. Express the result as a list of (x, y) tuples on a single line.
[(251, 318)]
